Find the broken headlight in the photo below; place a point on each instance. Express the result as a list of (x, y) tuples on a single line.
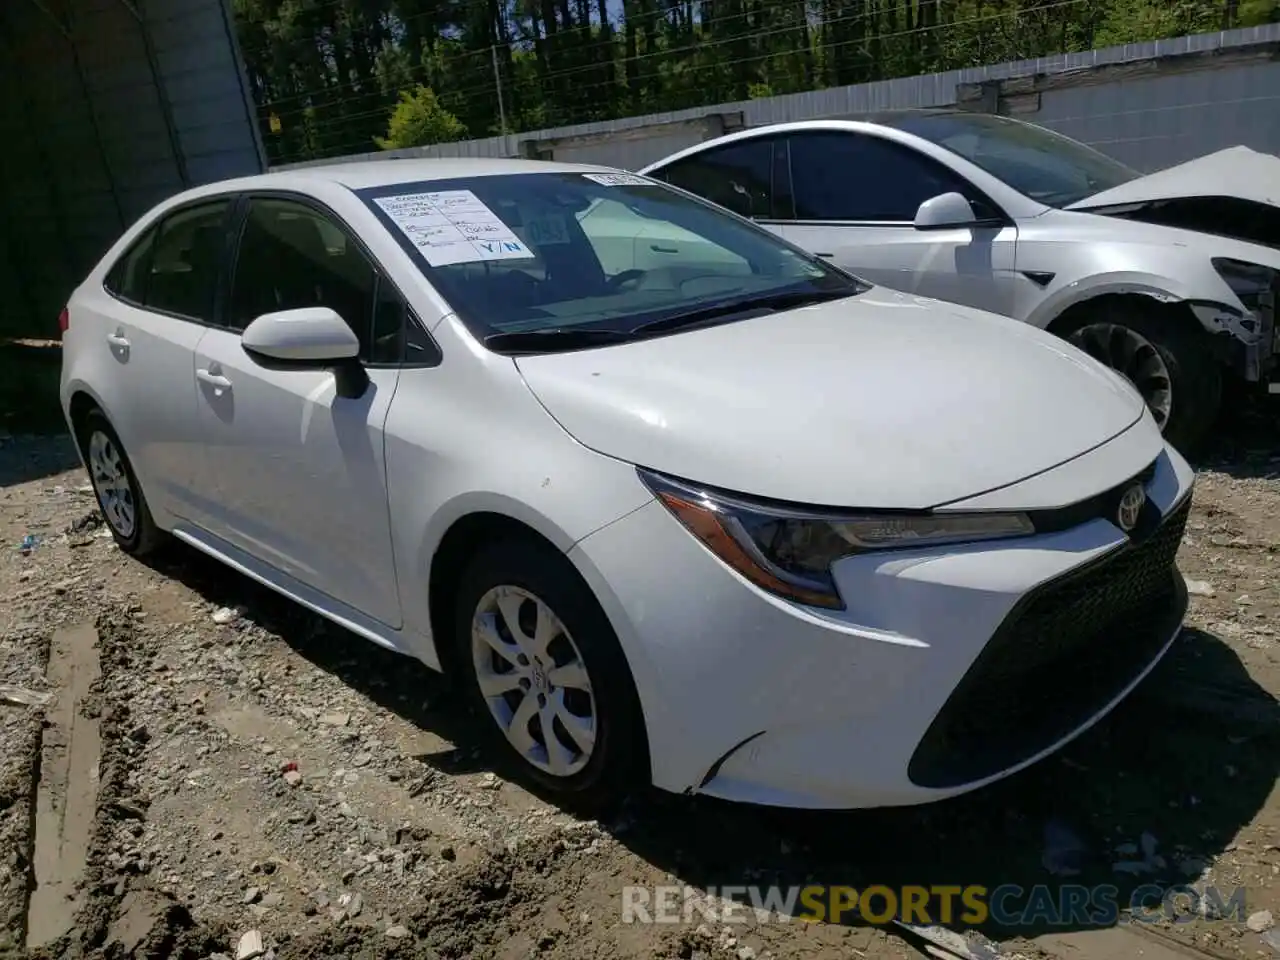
[(789, 551)]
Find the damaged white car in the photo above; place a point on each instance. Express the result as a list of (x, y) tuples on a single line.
[(1169, 278)]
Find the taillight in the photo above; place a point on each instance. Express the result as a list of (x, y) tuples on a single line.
[(64, 320)]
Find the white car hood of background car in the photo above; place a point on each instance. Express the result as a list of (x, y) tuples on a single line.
[(1235, 172), (881, 400)]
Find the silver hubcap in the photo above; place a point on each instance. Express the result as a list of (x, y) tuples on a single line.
[(533, 679), (1130, 353), (111, 482)]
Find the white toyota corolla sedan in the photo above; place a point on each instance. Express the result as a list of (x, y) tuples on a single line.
[(674, 501)]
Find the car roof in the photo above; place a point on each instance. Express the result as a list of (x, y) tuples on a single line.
[(364, 174), (891, 118), (897, 120), (359, 175)]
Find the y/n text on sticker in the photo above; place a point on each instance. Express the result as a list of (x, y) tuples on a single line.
[(619, 179)]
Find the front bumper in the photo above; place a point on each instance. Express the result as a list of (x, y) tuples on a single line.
[(1253, 348), (949, 669)]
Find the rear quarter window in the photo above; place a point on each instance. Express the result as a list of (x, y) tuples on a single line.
[(128, 276)]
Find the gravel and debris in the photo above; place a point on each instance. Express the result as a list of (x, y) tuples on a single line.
[(272, 786)]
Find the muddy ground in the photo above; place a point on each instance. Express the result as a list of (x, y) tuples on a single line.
[(220, 768)]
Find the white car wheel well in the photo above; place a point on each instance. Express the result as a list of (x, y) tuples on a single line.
[(81, 405), (462, 541)]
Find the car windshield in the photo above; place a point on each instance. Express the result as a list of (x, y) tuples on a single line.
[(595, 254), (1038, 163)]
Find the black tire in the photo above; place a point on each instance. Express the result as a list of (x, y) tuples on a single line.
[(619, 758), (1194, 373), (145, 537)]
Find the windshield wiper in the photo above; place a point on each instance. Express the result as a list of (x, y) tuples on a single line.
[(555, 338), (761, 303), (571, 338)]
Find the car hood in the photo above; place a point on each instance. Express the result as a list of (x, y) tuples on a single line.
[(1237, 172), (881, 400)]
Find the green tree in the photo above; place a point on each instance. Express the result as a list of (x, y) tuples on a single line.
[(418, 120), (328, 75)]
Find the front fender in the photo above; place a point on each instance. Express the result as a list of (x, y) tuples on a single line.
[(1158, 288), (625, 494), (485, 501)]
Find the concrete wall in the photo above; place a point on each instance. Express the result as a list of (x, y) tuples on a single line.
[(1151, 104), (106, 107), (620, 149)]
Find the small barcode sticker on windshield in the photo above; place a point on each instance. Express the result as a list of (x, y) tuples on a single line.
[(546, 231), (619, 179)]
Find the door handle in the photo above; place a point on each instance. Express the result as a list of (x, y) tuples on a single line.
[(118, 339), (657, 249), (825, 256), (215, 380)]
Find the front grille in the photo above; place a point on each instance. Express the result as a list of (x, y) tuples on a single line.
[(1066, 650)]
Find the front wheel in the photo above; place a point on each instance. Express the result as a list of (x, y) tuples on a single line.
[(545, 672), (1171, 366)]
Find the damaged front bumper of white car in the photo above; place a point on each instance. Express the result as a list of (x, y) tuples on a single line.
[(1252, 344)]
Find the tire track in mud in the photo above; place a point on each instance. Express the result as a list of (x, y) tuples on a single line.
[(154, 925), (66, 796), (19, 779), (484, 909)]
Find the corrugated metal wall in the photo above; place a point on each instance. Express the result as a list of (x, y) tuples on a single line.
[(203, 78), (106, 107), (1157, 121), (1148, 121)]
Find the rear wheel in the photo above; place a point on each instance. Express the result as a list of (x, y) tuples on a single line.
[(547, 676), (116, 486), (1169, 364)]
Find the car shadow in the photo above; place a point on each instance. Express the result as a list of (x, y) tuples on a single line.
[(25, 458), (1246, 439), (34, 443), (393, 681), (1163, 784)]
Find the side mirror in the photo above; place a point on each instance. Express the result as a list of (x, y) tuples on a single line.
[(309, 337), (943, 211)]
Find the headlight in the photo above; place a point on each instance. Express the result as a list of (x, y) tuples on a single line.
[(1251, 282), (789, 551)]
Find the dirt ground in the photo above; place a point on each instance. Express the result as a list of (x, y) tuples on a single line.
[(221, 773)]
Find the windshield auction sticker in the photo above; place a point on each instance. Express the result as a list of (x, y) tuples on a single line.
[(453, 226), (619, 179)]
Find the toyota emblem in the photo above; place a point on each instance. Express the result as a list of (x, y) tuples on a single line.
[(1131, 504)]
